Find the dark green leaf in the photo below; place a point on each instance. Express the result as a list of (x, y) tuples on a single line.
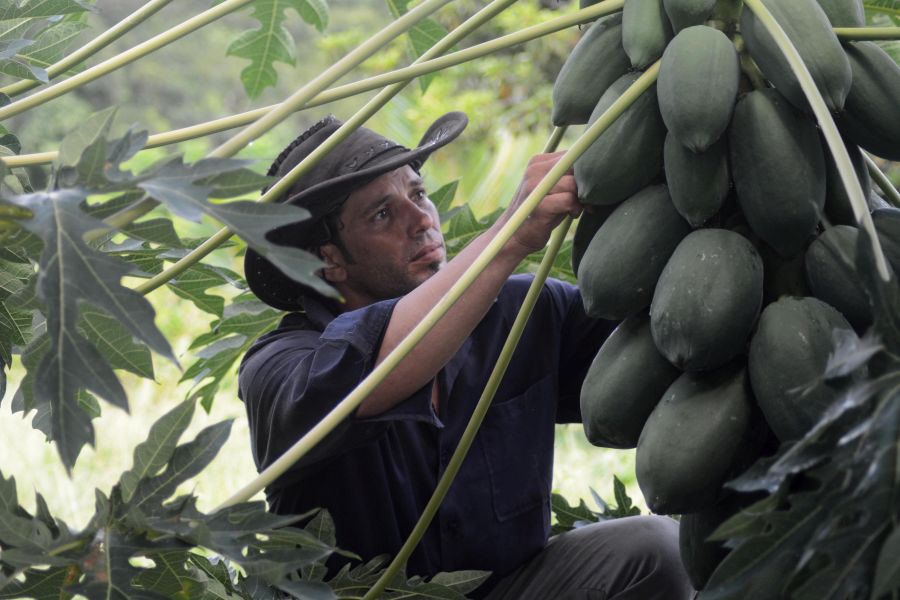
[(170, 578), (175, 185), (16, 67), (307, 590), (272, 42), (187, 460), (235, 183), (108, 571), (71, 273), (193, 284), (151, 455), (443, 198), (40, 585), (159, 231), (567, 516), (887, 571), (15, 327), (115, 343), (461, 581)]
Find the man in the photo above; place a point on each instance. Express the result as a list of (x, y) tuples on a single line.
[(380, 239)]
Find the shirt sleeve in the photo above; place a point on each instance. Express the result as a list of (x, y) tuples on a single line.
[(292, 378), (581, 338)]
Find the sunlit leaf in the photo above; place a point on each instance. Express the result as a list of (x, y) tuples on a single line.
[(422, 36), (52, 44), (152, 454), (108, 571), (115, 342), (18, 9), (272, 42)]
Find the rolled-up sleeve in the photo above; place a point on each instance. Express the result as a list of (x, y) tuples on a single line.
[(292, 377)]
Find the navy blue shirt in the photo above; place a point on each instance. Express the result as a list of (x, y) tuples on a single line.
[(376, 474)]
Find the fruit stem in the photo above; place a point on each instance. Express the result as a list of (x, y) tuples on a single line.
[(484, 403), (346, 407), (867, 33)]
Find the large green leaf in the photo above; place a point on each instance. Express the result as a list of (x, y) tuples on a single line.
[(71, 272), (20, 9), (272, 42), (40, 585), (152, 454), (222, 347), (52, 44), (115, 342), (423, 35)]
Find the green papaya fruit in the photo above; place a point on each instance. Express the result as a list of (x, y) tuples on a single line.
[(887, 224), (684, 13), (788, 354), (872, 100), (707, 299), (606, 172), (645, 31), (698, 86), (832, 275), (844, 13), (620, 267), (698, 182), (625, 381), (693, 440), (807, 26), (778, 168), (593, 65), (837, 203), (588, 224)]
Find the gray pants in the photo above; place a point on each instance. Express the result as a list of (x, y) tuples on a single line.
[(635, 558)]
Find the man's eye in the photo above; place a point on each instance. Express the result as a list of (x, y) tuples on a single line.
[(420, 195), (381, 214)]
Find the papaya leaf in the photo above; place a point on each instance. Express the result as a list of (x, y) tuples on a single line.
[(71, 272), (272, 42), (40, 585), (176, 185), (8, 49), (52, 44), (15, 326), (20, 69), (236, 183), (158, 231), (887, 570), (108, 571), (169, 577), (461, 581), (151, 455), (90, 130), (228, 340), (193, 284), (425, 34), (569, 517), (187, 461), (19, 9), (443, 198), (115, 343)]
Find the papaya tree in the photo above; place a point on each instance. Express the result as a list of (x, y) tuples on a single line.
[(724, 105)]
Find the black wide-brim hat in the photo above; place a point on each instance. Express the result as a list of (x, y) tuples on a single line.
[(357, 160)]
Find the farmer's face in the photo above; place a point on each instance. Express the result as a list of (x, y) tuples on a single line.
[(392, 237)]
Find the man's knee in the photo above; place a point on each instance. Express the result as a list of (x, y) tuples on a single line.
[(644, 556)]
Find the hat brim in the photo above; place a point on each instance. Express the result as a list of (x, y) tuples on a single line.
[(280, 291)]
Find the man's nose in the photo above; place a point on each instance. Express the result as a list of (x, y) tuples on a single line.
[(420, 219)]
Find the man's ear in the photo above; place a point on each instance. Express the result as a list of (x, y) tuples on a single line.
[(334, 271)]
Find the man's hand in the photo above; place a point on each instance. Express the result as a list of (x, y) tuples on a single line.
[(562, 200)]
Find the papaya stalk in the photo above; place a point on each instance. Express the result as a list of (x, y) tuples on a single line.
[(373, 106), (120, 60), (484, 403), (881, 180), (829, 130), (404, 74), (867, 33), (85, 52), (346, 407)]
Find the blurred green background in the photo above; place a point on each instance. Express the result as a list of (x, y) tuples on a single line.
[(507, 97)]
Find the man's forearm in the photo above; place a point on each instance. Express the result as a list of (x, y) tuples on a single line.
[(442, 342)]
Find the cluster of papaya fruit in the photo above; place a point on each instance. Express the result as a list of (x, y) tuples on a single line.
[(720, 235)]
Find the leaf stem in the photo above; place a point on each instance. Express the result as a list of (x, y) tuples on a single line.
[(829, 130), (356, 121), (484, 403), (346, 407), (404, 74), (867, 33), (120, 60), (881, 180), (100, 42)]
